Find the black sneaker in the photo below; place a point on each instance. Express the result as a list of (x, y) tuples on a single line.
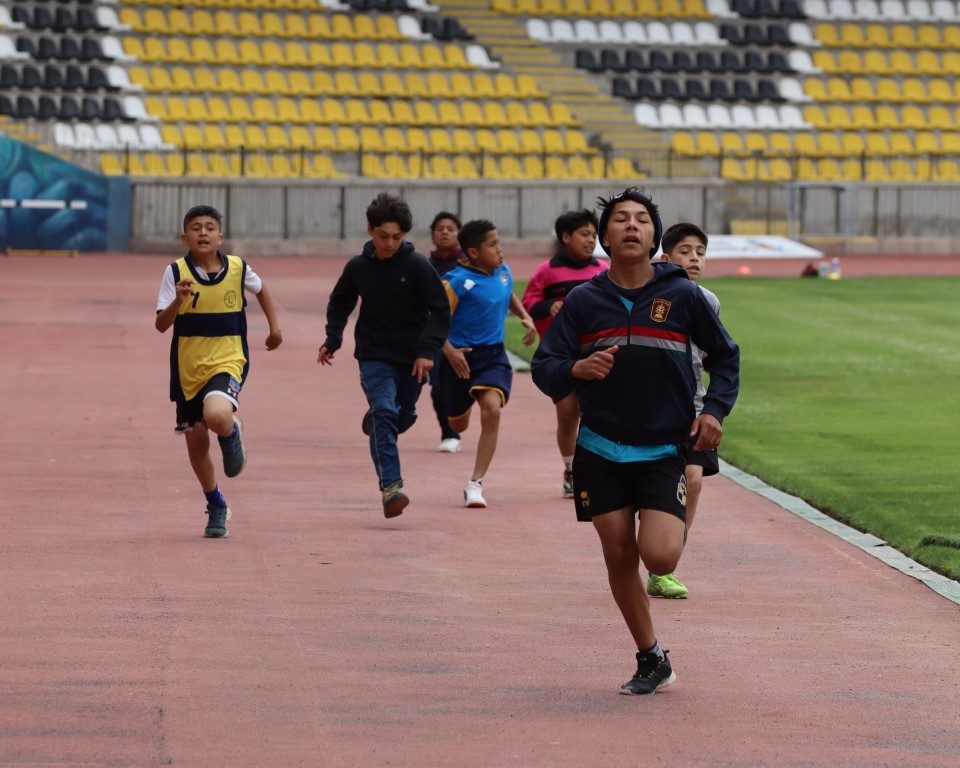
[(217, 522), (653, 673), (234, 454), (366, 424)]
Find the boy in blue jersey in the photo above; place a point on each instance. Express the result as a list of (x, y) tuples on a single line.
[(685, 244), (622, 341), (475, 367), (202, 297), (404, 317)]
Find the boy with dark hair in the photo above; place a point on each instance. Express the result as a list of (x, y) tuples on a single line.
[(621, 341), (685, 244), (475, 367), (202, 297), (404, 317), (444, 230), (572, 265)]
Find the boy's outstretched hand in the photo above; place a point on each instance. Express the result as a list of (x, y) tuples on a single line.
[(597, 366), (531, 335), (421, 369), (274, 339), (324, 356)]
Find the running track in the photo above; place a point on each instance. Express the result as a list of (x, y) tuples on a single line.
[(320, 634)]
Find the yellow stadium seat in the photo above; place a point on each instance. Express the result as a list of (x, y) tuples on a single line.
[(849, 62), (394, 140), (877, 144), (233, 136), (380, 112), (912, 117), (861, 89), (111, 165), (370, 138), (193, 137), (357, 112), (780, 143), (826, 61), (416, 85), (254, 137), (271, 25), (298, 84), (707, 143), (560, 115), (505, 86), (213, 138), (217, 109), (249, 52), (141, 76), (530, 141), (178, 50), (288, 111), (876, 36), (300, 138), (228, 80), (494, 114), (368, 84), (341, 55), (755, 141), (432, 56), (388, 56), (510, 168), (197, 109), (851, 143), (318, 55), (276, 136), (252, 81), (172, 135), (947, 169), (463, 85), (829, 144), (775, 169), (449, 112), (940, 117), (294, 55), (272, 53), (333, 111), (403, 113), (927, 63), (888, 89), (901, 63), (471, 113), (862, 116), (321, 167), (204, 80), (939, 90), (416, 138), (731, 143), (392, 85), (901, 143), (951, 36), (805, 145), (486, 140), (927, 36), (240, 109), (516, 113), (463, 140), (439, 167), (805, 169), (364, 54), (154, 21), (131, 17), (387, 28), (341, 27), (828, 35), (324, 138), (437, 85), (345, 84), (248, 24), (838, 117), (364, 28), (455, 58), (508, 142), (318, 26), (876, 63), (914, 89), (838, 89), (439, 141), (851, 169), (532, 167), (950, 63), (226, 52), (409, 55), (294, 26), (886, 117), (816, 90), (528, 87)]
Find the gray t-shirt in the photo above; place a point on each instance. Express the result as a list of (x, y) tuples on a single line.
[(698, 355)]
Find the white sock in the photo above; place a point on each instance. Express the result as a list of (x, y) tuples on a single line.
[(567, 462)]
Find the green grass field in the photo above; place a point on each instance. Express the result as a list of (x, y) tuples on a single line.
[(849, 399)]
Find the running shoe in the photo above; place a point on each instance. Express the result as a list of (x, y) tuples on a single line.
[(234, 454), (473, 494), (394, 500), (217, 522), (666, 586), (653, 673), (568, 484), (449, 445)]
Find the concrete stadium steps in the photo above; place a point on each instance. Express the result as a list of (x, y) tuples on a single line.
[(607, 122)]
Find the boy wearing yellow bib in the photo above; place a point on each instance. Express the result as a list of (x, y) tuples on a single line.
[(202, 298)]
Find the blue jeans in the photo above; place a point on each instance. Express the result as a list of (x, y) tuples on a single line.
[(392, 393)]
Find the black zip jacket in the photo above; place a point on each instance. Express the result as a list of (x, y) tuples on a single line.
[(404, 310), (647, 398)]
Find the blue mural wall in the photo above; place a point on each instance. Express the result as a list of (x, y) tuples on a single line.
[(50, 204)]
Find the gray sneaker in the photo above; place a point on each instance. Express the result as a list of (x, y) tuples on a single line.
[(394, 500), (234, 454), (217, 522)]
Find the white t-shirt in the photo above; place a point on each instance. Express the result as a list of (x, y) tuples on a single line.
[(168, 286)]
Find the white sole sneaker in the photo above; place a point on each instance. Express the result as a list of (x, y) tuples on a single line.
[(449, 445), (473, 496)]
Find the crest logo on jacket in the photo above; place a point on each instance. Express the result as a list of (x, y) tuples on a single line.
[(659, 310), (504, 279), (230, 299)]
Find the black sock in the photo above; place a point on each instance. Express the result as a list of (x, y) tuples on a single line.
[(654, 649), (215, 498)]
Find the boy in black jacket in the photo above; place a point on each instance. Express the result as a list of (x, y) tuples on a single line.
[(404, 319), (622, 342)]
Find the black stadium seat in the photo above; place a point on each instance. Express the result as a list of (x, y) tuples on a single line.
[(97, 79), (683, 62), (777, 62), (43, 19), (731, 33), (789, 9), (720, 91), (69, 49), (767, 91), (26, 108), (26, 45), (707, 62), (754, 61), (585, 59), (623, 89), (744, 90), (647, 89), (777, 35), (730, 61), (75, 79), (636, 61), (754, 34), (670, 89), (90, 110), (30, 78), (53, 78), (112, 110), (69, 109), (695, 90), (611, 59), (91, 50), (47, 108), (660, 61), (9, 77), (6, 106)]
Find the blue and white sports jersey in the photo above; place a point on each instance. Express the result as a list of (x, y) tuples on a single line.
[(478, 304)]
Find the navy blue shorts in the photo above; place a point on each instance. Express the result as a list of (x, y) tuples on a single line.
[(489, 369), (601, 485)]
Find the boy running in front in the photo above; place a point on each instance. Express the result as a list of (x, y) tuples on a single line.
[(622, 342), (202, 297)]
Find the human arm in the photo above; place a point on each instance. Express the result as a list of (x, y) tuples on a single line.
[(168, 314), (516, 306), (265, 299), (534, 295), (722, 361), (343, 300), (458, 359)]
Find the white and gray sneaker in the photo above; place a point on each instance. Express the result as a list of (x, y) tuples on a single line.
[(449, 445), (473, 494)]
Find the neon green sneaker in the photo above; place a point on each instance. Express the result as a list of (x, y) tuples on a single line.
[(666, 586)]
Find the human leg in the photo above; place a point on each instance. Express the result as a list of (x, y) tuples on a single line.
[(198, 449), (660, 584), (568, 422), (379, 382), (449, 438), (491, 403), (219, 416)]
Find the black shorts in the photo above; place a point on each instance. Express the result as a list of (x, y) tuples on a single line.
[(706, 459), (190, 412), (489, 369), (601, 485)]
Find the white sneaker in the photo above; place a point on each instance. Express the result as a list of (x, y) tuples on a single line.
[(449, 445), (473, 494)]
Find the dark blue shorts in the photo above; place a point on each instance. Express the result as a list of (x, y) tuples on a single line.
[(190, 412), (489, 369)]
